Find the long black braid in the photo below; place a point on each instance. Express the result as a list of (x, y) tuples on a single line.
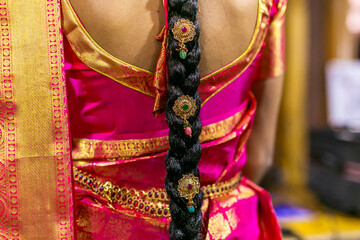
[(185, 151)]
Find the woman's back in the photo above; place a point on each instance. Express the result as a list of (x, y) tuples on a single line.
[(127, 29)]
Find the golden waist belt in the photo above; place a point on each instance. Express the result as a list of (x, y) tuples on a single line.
[(154, 202)]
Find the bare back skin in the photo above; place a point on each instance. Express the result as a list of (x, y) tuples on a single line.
[(127, 29)]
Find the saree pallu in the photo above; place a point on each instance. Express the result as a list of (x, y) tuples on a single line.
[(39, 198), (36, 197)]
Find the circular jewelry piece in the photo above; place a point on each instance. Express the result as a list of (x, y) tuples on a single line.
[(183, 31), (185, 107), (188, 187)]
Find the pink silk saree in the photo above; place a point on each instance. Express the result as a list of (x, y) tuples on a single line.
[(52, 189)]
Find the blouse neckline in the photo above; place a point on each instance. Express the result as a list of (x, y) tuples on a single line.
[(98, 59)]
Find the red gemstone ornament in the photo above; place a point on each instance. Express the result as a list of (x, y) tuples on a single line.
[(185, 107), (184, 29), (188, 131)]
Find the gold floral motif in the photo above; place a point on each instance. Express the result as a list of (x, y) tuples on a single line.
[(183, 31), (185, 107), (188, 187)]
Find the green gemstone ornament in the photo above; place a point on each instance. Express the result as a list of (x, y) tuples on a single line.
[(191, 209), (182, 54), (185, 107)]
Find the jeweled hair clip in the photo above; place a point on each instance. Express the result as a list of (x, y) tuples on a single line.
[(185, 107), (183, 31), (188, 187)]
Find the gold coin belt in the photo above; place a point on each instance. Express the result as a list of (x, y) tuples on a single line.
[(153, 202)]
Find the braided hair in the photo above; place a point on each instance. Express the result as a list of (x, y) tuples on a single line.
[(185, 150)]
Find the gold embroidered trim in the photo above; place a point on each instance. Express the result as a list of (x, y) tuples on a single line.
[(214, 82), (96, 58), (124, 149), (154, 202)]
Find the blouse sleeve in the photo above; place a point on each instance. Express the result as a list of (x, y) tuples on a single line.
[(271, 58)]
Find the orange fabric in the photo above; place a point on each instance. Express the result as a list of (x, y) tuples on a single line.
[(161, 75), (273, 53)]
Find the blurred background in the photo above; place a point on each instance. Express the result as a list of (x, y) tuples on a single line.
[(315, 179)]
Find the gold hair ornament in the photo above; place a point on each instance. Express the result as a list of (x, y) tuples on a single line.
[(185, 107), (183, 31), (188, 187)]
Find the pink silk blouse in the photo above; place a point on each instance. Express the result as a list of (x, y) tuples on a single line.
[(118, 142)]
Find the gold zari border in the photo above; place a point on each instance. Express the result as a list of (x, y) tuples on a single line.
[(9, 164), (122, 149), (36, 134), (154, 202)]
